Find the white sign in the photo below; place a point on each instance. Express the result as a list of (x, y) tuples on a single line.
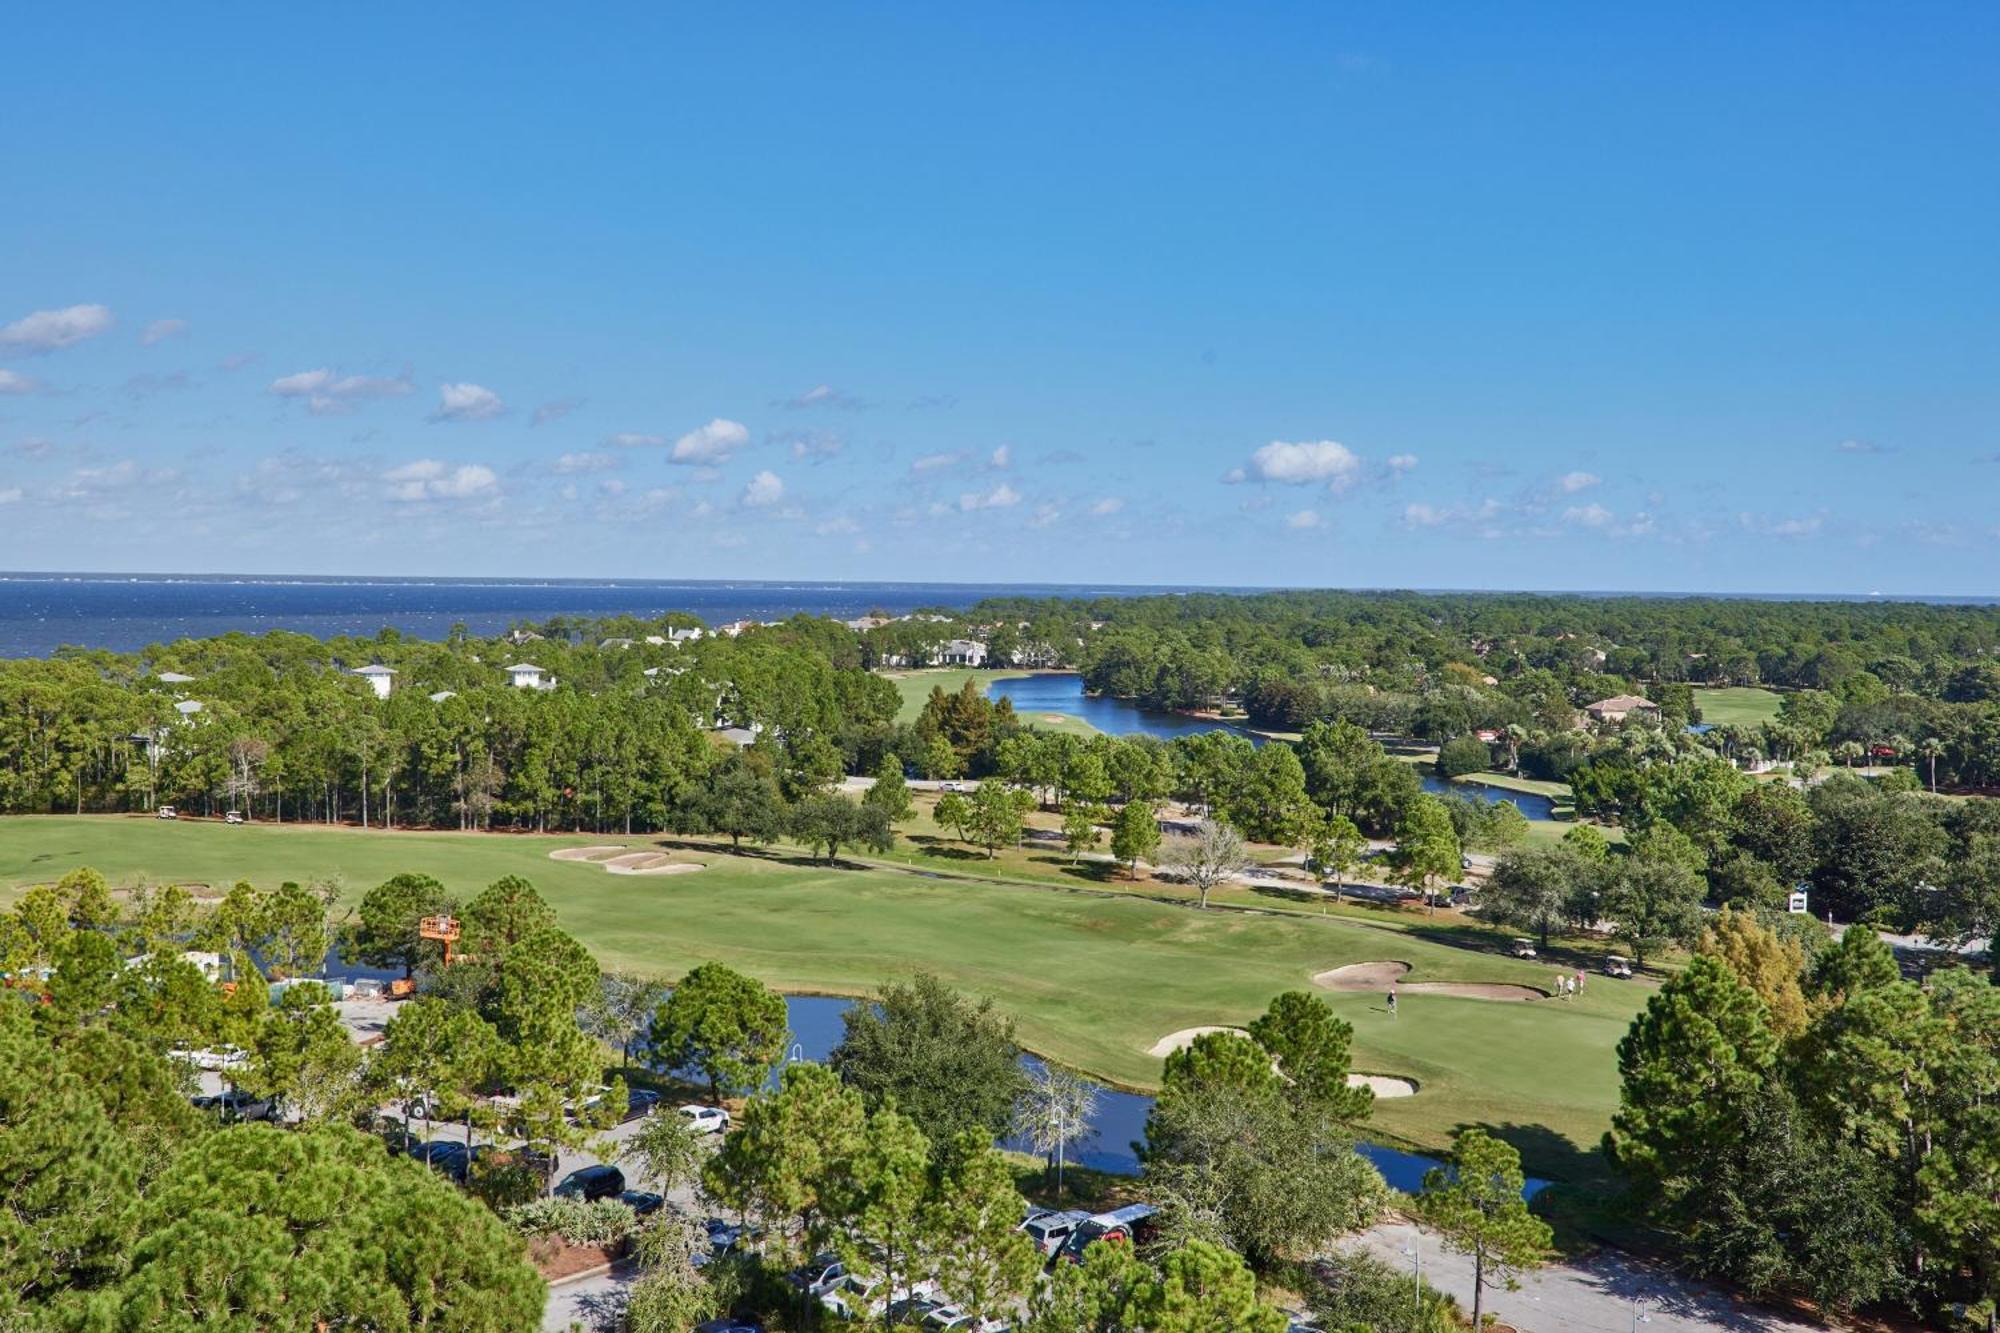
[(1798, 902)]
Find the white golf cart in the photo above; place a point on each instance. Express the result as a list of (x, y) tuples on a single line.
[(1615, 966), (1522, 948)]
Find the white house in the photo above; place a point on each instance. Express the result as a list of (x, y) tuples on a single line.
[(960, 652), (527, 676), (442, 695), (688, 634), (187, 708), (379, 678), (173, 678)]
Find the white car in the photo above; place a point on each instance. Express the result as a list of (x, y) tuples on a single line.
[(214, 1059), (706, 1119), (858, 1297)]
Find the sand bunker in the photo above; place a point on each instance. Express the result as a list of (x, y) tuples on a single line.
[(1377, 976), (586, 853), (1382, 1085), (625, 861), (1180, 1041)]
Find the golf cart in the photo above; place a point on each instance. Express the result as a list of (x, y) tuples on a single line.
[(166, 812), (1523, 948), (233, 817), (1614, 966)]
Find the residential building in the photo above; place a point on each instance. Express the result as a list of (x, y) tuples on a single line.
[(379, 678)]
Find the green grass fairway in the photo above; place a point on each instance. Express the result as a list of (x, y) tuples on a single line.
[(1094, 979), (1737, 705), (916, 687)]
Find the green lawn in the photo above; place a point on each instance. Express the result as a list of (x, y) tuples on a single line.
[(916, 687), (1737, 705), (1093, 978)]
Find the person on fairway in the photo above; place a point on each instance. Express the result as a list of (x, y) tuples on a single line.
[(1392, 1001)]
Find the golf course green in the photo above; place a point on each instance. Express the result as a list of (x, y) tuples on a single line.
[(1093, 978)]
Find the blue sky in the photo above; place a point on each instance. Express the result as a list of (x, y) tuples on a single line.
[(1559, 296)]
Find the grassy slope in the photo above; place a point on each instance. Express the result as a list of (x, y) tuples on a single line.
[(1094, 979), (916, 686), (1737, 705)]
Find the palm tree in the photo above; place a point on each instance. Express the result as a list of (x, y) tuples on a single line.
[(1930, 748)]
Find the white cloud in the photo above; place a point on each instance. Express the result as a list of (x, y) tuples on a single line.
[(1297, 464), (713, 443), (813, 445), (327, 394), (160, 330), (1109, 505), (1002, 457), (839, 526), (1305, 518), (932, 462), (1400, 463), (583, 462), (12, 495), (554, 411), (1569, 483), (1588, 516), (1860, 447), (462, 401), (1796, 527), (1044, 515), (822, 395), (14, 382), (764, 489), (1423, 516), (632, 439), (429, 479), (52, 330), (1002, 496)]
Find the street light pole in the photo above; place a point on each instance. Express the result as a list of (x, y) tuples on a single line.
[(1416, 1284)]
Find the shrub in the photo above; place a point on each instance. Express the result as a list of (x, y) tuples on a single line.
[(599, 1222)]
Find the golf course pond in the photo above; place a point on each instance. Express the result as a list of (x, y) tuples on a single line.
[(1120, 1121), (1063, 692)]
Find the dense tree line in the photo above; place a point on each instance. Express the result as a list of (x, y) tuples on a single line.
[(1804, 1118)]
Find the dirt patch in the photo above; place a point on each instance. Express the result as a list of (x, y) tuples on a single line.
[(585, 853), (1380, 976), (1180, 1041), (556, 1259), (1383, 1085)]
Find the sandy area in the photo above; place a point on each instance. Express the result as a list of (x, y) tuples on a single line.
[(625, 861), (584, 853), (1379, 976), (1383, 1085), (649, 863), (1180, 1041)]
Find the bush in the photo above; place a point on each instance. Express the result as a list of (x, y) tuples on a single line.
[(1461, 755), (600, 1222)]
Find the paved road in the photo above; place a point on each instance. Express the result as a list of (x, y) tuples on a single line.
[(1603, 1294)]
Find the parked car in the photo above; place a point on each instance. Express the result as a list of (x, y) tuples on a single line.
[(1614, 966), (730, 1237), (447, 1157), (640, 1101), (911, 1311), (590, 1183), (234, 1104), (1522, 948), (820, 1276), (1048, 1229), (643, 1202), (726, 1325), (706, 1119), (215, 1059), (1129, 1225), (855, 1297), (166, 812)]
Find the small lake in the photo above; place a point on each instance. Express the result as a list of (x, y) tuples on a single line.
[(1119, 1123), (1062, 692)]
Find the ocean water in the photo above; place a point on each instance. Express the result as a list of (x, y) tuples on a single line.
[(42, 612)]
